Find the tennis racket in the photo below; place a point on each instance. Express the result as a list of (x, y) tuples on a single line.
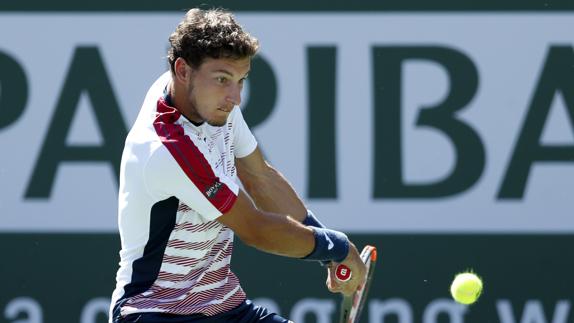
[(352, 305)]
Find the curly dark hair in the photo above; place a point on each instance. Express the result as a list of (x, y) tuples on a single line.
[(210, 33)]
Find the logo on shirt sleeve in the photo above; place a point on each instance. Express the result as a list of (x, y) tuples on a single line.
[(212, 190)]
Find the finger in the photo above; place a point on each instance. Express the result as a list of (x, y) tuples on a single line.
[(332, 290), (329, 284), (336, 285)]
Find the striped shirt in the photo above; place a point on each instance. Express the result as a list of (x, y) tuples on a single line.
[(176, 179)]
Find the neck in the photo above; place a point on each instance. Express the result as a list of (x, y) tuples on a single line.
[(181, 103)]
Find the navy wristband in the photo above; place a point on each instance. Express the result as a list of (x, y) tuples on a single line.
[(311, 220), (330, 245)]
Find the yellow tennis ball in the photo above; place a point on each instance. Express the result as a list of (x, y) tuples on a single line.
[(466, 288)]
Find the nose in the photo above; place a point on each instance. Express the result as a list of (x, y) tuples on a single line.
[(234, 95)]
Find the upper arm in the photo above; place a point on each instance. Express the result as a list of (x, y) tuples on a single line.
[(251, 167), (258, 177), (269, 189)]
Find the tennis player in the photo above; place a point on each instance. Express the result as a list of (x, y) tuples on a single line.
[(180, 203)]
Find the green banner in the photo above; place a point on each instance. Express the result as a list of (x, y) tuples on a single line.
[(65, 278)]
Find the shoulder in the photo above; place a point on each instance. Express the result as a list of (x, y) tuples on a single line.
[(154, 93), (158, 157), (157, 88)]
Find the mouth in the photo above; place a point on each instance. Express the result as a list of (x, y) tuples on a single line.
[(225, 110)]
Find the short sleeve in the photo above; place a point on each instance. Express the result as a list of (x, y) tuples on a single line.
[(243, 140)]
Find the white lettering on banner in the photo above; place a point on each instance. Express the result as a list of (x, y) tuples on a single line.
[(94, 308), (453, 310), (377, 311), (322, 309), (24, 305), (507, 68), (396, 307), (533, 312)]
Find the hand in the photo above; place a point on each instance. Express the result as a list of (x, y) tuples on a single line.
[(358, 269)]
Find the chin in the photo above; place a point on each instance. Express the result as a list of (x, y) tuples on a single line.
[(217, 123)]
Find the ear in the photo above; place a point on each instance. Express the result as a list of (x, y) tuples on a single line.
[(182, 70)]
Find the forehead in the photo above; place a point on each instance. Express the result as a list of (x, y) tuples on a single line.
[(233, 66)]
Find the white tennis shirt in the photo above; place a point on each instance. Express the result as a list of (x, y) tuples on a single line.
[(176, 178)]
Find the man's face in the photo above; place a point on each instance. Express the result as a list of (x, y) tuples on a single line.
[(214, 89)]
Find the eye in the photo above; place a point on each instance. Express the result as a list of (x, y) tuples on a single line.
[(221, 79)]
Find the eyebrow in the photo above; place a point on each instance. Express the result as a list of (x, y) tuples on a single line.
[(224, 72), (229, 73)]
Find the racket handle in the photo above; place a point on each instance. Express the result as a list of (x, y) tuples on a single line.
[(343, 273)]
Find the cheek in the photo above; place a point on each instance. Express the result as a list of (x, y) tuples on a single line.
[(208, 96), (212, 96), (205, 101)]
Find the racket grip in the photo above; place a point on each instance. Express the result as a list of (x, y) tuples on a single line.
[(343, 273)]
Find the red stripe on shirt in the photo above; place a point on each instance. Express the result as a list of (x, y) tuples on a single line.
[(190, 159)]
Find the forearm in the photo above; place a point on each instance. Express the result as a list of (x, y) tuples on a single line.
[(271, 192), (282, 235)]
